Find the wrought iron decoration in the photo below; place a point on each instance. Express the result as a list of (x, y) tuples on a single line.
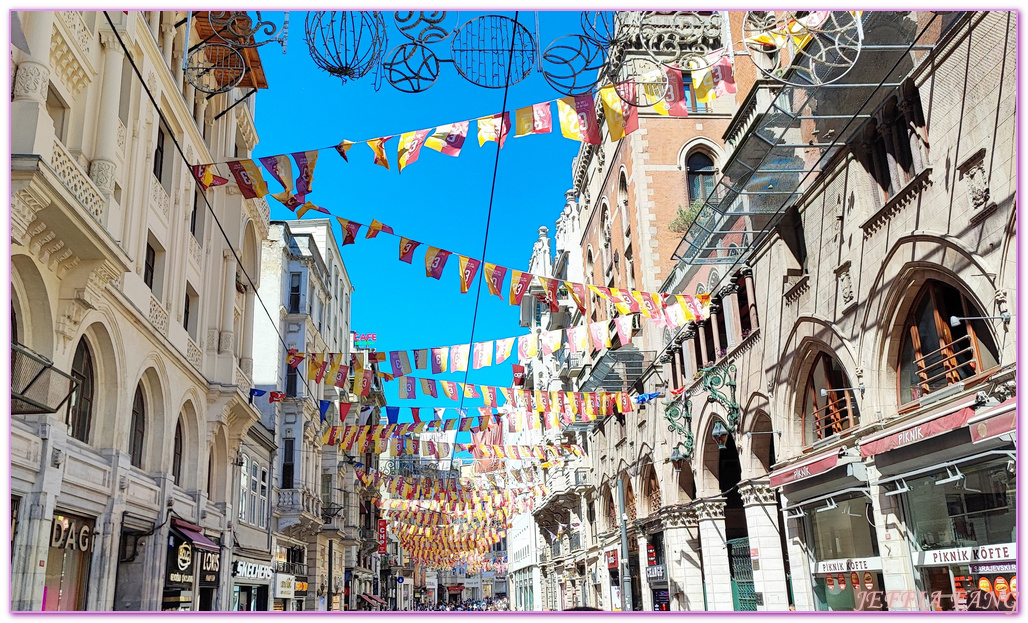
[(714, 380), (346, 44), (574, 65), (680, 421), (215, 68), (423, 26), (823, 45), (411, 67), (238, 29), (487, 49)]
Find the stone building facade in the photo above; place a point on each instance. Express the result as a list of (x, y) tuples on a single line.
[(122, 279), (844, 422)]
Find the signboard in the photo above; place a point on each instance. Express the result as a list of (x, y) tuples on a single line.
[(285, 585), (966, 555), (842, 565), (399, 579), (180, 562), (209, 564), (854, 580), (74, 533), (612, 559), (300, 586), (252, 571), (655, 572), (803, 471), (996, 567), (382, 536), (869, 582), (364, 340)]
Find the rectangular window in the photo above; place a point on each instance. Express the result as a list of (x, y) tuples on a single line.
[(185, 313), (263, 519), (158, 156), (287, 463), (294, 293), (149, 265), (326, 489), (843, 531), (196, 218), (291, 381), (126, 92), (255, 474), (58, 111)]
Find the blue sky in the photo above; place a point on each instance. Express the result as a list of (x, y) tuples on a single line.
[(439, 200)]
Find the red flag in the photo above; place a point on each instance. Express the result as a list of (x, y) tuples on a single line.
[(577, 292), (407, 388), (343, 147), (549, 294), (344, 410), (341, 377), (578, 119), (428, 388), (519, 375), (204, 175), (724, 81), (410, 147), (494, 128), (494, 278), (416, 414), (435, 261), (350, 229), (534, 119), (294, 358), (468, 268), (376, 227), (675, 103), (407, 247), (624, 327), (276, 396), (377, 145), (518, 285), (248, 178)]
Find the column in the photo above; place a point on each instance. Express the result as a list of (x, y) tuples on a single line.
[(32, 129), (154, 23), (176, 56), (704, 326), (168, 38), (761, 508), (228, 305), (751, 296), (102, 169), (716, 309), (730, 308), (646, 599), (717, 576), (799, 567), (897, 568), (200, 112), (246, 354)]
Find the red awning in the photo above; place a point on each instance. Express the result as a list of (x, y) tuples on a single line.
[(804, 470), (455, 589), (998, 420), (378, 599), (195, 534), (367, 598), (937, 423)]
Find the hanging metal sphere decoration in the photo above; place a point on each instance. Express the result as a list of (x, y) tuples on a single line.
[(215, 68), (411, 68), (239, 30), (640, 82), (482, 51), (823, 45), (574, 64), (604, 28), (346, 44), (425, 26)]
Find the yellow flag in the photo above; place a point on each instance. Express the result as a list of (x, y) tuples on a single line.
[(377, 145), (703, 84)]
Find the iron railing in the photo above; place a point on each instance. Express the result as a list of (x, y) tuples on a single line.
[(36, 385)]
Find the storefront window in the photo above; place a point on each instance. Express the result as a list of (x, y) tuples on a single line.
[(975, 508), (67, 565), (844, 531)]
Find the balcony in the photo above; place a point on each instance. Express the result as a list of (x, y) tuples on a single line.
[(292, 568), (300, 511), (582, 478)]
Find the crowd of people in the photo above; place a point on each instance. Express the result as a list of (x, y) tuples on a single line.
[(468, 605)]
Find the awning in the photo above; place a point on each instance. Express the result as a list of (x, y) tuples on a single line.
[(995, 421), (378, 599), (943, 420), (368, 599), (804, 470), (455, 589), (195, 534)]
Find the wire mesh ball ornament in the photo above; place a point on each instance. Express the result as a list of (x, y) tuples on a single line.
[(574, 64), (823, 45), (640, 82), (346, 44), (677, 38), (239, 30), (425, 26), (488, 48), (604, 28), (215, 68), (411, 68)]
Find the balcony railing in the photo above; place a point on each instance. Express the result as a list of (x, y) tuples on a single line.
[(37, 386), (945, 366), (292, 568), (835, 417)]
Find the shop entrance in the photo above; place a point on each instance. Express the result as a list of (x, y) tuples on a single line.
[(744, 596)]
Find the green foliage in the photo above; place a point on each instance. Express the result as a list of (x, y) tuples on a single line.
[(685, 218)]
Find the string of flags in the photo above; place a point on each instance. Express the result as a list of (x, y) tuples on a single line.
[(576, 116)]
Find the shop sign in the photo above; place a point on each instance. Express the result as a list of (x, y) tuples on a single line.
[(180, 562), (842, 582), (830, 582), (854, 580), (252, 571), (300, 586), (803, 471), (849, 564), (381, 536), (71, 533), (996, 567), (964, 555), (655, 572), (869, 582), (914, 434), (985, 585), (1002, 590), (612, 559), (210, 565), (284, 586)]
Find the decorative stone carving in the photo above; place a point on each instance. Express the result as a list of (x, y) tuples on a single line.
[(707, 510), (158, 317), (79, 32), (159, 197), (86, 298), (973, 171), (227, 342), (31, 81), (102, 174), (66, 65), (195, 252), (24, 206), (212, 340), (193, 354), (121, 136), (842, 276), (77, 182), (757, 494)]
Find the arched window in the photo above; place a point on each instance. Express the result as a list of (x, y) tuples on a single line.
[(939, 349), (836, 410), (138, 431), (700, 174), (81, 416), (176, 455), (210, 475)]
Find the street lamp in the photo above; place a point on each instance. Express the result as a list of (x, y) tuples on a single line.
[(720, 435), (626, 579), (677, 457)]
